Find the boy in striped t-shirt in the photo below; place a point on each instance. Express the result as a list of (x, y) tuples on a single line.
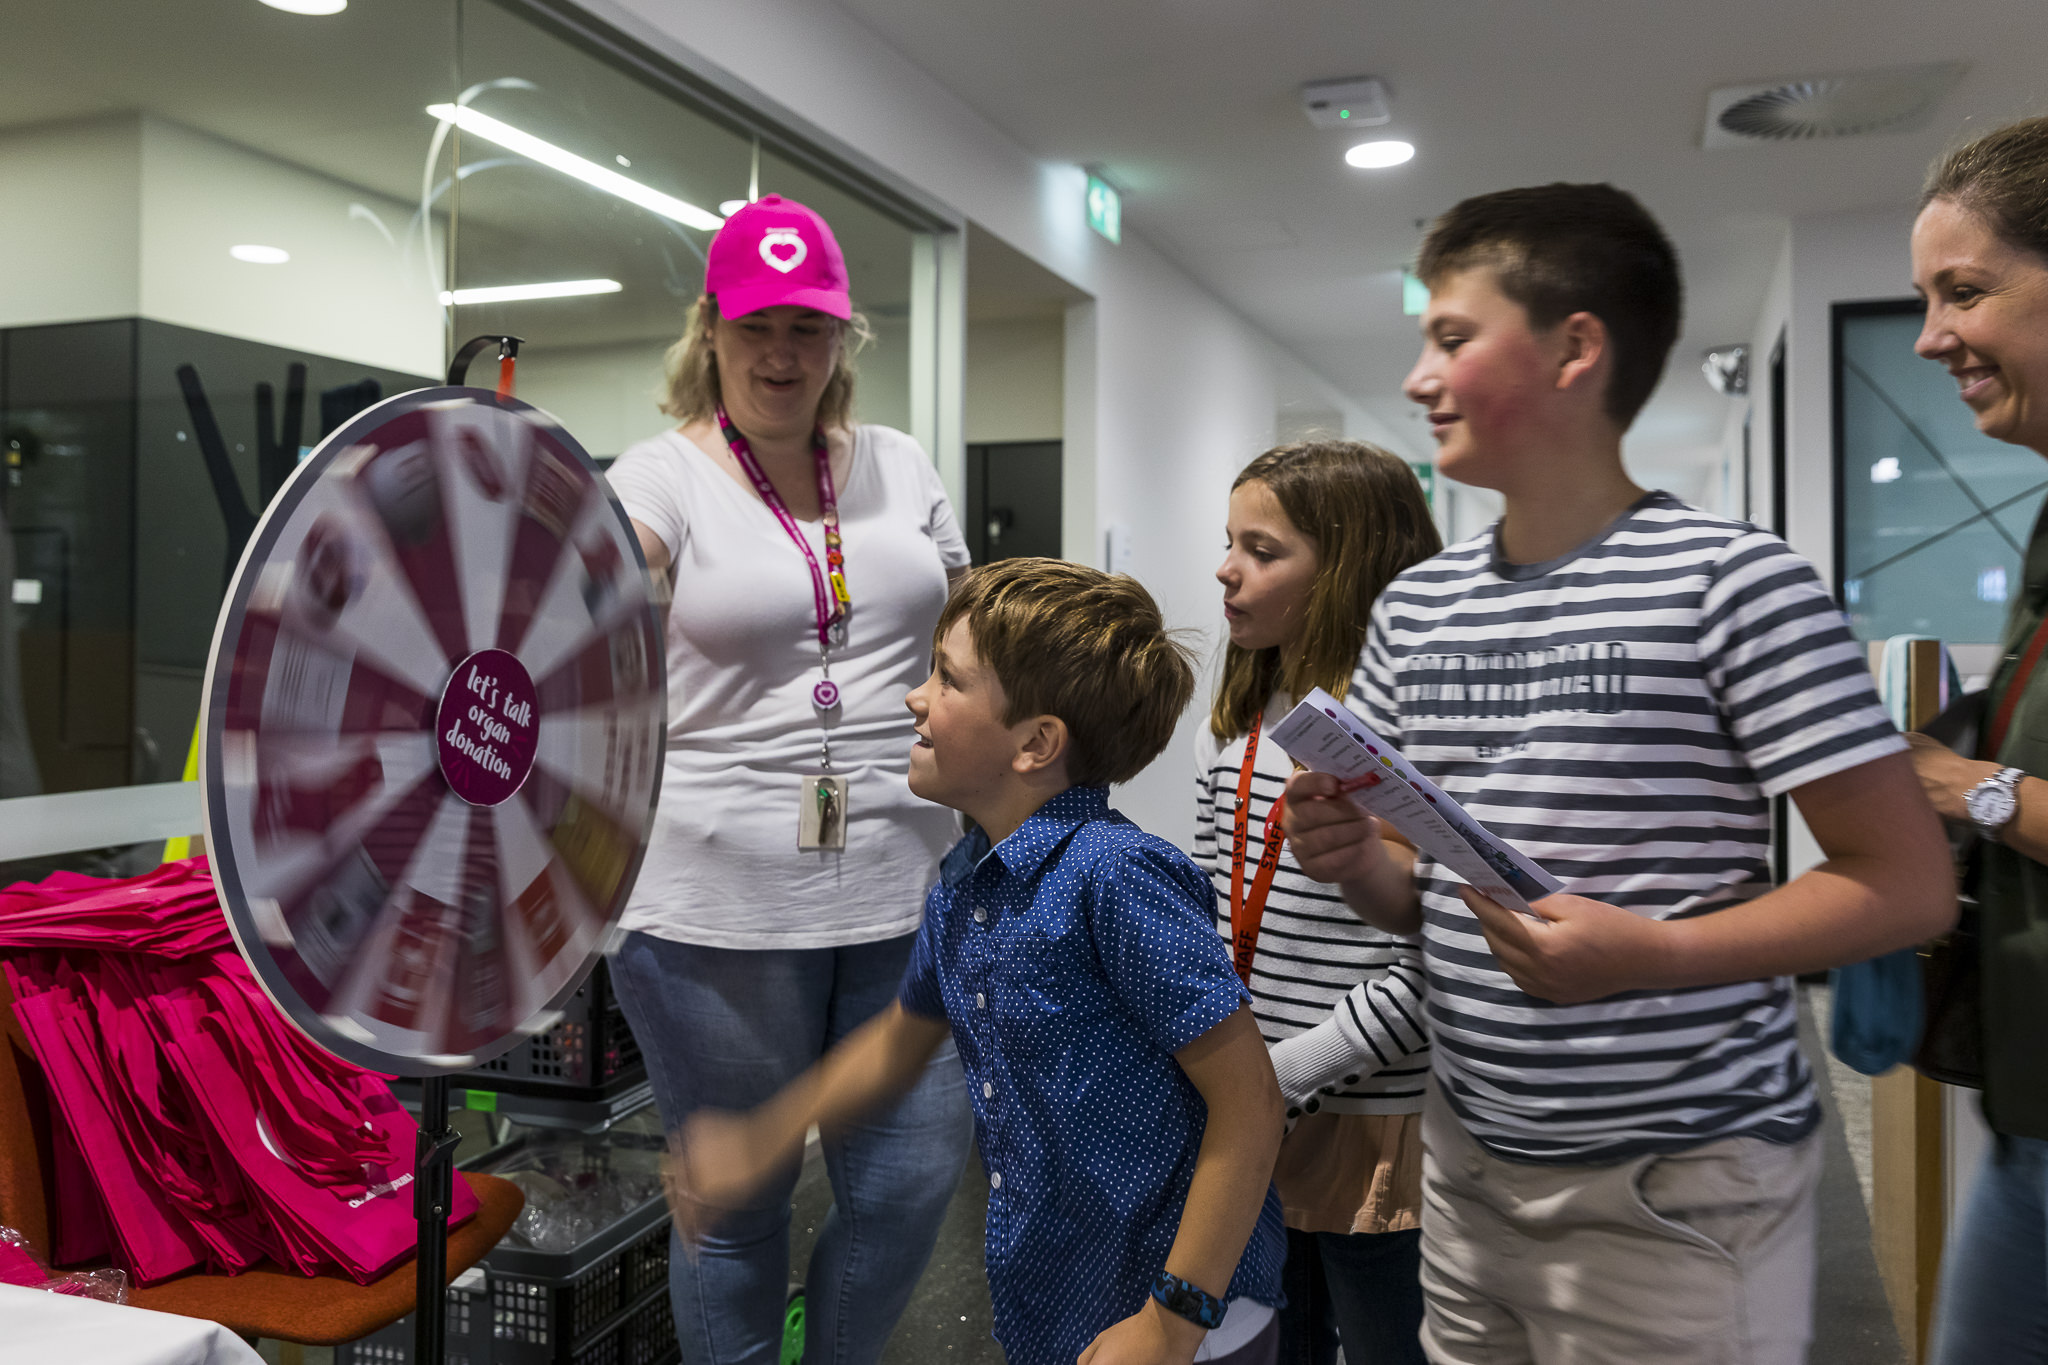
[(1620, 1131)]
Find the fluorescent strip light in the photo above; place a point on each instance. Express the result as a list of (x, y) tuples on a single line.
[(515, 293), (574, 166), (260, 255), (308, 6)]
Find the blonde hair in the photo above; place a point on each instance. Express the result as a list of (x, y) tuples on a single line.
[(1365, 511), (689, 390), (1089, 647)]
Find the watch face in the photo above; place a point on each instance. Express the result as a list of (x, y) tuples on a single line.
[(1991, 805)]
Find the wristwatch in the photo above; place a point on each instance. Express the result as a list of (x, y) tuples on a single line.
[(1179, 1297), (1992, 803)]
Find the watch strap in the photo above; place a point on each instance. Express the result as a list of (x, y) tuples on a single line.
[(1189, 1301)]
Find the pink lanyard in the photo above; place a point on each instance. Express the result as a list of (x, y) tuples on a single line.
[(828, 585)]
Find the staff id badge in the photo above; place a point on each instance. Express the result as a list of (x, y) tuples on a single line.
[(821, 819)]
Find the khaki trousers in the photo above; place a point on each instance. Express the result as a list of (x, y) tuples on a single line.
[(1702, 1257)]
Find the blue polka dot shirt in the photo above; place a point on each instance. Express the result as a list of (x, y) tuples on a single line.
[(1072, 961)]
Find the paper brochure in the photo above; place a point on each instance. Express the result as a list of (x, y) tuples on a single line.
[(1322, 734)]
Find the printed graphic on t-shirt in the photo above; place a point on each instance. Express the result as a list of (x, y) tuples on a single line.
[(1575, 677)]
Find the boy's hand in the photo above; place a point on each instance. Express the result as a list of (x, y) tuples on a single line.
[(717, 1161), (1579, 950), (1150, 1336), (1333, 840)]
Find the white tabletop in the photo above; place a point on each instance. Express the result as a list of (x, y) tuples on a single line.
[(57, 1328)]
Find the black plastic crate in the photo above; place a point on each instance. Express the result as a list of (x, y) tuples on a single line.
[(603, 1301), (591, 1053), (614, 1311)]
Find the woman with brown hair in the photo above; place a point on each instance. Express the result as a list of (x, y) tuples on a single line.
[(1980, 261), (1315, 531), (783, 885)]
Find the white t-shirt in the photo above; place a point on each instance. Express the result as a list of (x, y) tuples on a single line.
[(722, 868), (1317, 964)]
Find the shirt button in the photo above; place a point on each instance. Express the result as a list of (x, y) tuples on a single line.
[(995, 1180), (988, 1090), (980, 915), (1313, 1106), (980, 1001)]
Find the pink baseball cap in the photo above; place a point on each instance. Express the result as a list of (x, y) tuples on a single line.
[(776, 251)]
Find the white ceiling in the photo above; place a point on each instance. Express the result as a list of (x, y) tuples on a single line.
[(1191, 107)]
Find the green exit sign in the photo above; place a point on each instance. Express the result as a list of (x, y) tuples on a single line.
[(1425, 474), (1105, 209)]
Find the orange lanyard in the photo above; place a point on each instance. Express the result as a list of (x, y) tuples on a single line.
[(1246, 912)]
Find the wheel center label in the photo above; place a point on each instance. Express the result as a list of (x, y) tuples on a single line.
[(487, 728)]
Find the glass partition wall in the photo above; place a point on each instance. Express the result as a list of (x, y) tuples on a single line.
[(232, 227), (1932, 514)]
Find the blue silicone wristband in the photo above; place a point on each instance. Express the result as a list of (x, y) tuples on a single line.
[(1188, 1301)]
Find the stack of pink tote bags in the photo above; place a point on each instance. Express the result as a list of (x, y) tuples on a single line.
[(191, 1125)]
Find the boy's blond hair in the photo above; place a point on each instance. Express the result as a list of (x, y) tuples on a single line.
[(1088, 647)]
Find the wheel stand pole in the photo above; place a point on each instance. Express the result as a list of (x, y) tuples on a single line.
[(433, 1194)]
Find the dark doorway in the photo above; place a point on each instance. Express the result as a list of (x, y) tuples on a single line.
[(1013, 500)]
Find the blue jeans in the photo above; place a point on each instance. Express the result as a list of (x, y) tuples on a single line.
[(1364, 1288), (727, 1028), (1994, 1279)]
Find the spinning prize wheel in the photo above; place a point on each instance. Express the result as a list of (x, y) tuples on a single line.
[(434, 726)]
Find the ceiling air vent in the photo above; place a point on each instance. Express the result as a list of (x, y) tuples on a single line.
[(1849, 105)]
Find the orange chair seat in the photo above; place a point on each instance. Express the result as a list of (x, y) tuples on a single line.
[(324, 1310)]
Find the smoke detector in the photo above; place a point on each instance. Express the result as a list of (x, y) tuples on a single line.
[(1850, 104), (1360, 102)]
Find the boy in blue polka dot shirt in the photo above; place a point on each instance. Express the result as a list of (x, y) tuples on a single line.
[(1125, 1108)]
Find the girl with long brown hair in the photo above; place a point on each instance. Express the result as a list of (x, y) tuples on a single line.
[(1316, 529)]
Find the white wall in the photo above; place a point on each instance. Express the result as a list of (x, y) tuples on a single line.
[(604, 395), (1014, 379), (1166, 391), (134, 216), (1836, 258), (71, 222)]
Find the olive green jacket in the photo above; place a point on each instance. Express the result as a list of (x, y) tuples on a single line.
[(2013, 891)]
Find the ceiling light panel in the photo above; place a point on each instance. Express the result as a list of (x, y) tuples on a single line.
[(253, 254), (1377, 156), (519, 293), (308, 6), (577, 168)]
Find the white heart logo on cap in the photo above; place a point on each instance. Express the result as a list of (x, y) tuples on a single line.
[(782, 240)]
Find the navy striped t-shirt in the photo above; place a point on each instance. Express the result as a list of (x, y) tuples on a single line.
[(1622, 714)]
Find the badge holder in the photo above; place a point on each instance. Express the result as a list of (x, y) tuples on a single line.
[(821, 818)]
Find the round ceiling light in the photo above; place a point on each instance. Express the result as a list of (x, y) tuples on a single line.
[(308, 6), (1375, 156), (260, 255)]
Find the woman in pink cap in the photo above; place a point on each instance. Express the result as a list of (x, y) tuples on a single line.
[(808, 559)]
